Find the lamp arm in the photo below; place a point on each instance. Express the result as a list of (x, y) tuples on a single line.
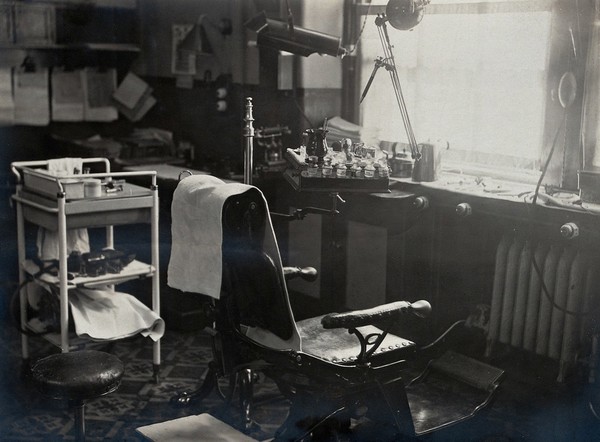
[(390, 65), (378, 63)]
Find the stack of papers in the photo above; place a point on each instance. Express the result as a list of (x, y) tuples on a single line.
[(338, 129), (133, 97)]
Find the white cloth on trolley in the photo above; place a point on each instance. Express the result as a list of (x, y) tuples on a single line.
[(77, 239)]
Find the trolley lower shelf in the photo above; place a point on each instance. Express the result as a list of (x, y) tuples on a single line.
[(133, 270), (75, 342)]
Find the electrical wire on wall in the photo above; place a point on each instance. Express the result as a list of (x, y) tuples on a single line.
[(567, 92), (566, 99), (533, 203), (354, 46)]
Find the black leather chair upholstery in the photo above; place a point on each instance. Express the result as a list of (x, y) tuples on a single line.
[(343, 366), (331, 368)]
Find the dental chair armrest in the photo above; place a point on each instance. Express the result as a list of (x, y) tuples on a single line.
[(359, 318), (307, 273)]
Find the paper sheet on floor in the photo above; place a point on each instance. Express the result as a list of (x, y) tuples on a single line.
[(103, 314)]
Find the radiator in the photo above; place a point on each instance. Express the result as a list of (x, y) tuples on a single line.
[(523, 316)]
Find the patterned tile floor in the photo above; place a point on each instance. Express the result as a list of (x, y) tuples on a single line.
[(521, 410), (26, 416)]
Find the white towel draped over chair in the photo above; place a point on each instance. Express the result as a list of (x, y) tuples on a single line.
[(196, 264)]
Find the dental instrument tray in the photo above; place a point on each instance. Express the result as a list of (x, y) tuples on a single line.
[(36, 178), (306, 174)]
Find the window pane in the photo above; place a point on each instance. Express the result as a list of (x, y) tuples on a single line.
[(476, 80)]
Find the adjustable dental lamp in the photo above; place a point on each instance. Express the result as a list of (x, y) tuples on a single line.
[(285, 36), (403, 15)]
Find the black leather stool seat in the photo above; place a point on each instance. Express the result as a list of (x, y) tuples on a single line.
[(79, 375)]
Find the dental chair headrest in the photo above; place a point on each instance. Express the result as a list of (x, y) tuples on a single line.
[(244, 216)]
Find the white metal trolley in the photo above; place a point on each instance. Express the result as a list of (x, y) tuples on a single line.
[(58, 204)]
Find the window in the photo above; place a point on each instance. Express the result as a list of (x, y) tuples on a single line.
[(473, 74)]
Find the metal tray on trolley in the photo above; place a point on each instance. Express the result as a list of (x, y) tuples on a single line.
[(40, 181), (117, 202)]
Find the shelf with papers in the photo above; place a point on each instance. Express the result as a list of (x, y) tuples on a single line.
[(114, 47)]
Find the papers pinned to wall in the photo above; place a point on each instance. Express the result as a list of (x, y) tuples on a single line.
[(35, 98), (31, 98), (83, 95), (7, 104), (98, 87), (133, 98), (67, 96)]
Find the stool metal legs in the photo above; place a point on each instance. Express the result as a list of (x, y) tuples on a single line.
[(79, 409)]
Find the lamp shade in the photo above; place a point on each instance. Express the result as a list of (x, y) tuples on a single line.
[(405, 14), (301, 41)]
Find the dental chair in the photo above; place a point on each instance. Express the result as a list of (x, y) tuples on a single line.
[(332, 368)]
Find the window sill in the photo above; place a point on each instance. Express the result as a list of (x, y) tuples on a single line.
[(484, 186), (503, 174)]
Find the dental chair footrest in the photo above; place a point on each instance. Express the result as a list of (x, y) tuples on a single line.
[(193, 428), (452, 388)]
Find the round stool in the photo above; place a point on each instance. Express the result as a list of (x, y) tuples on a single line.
[(77, 377)]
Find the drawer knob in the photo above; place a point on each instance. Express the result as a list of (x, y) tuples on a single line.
[(569, 230), (464, 209), (421, 202)]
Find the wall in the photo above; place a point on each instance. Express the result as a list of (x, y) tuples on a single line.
[(189, 113), (157, 20), (321, 71)]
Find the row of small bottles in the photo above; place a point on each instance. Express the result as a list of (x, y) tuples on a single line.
[(363, 169)]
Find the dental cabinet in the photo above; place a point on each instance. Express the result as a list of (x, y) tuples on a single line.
[(424, 241), (61, 203)]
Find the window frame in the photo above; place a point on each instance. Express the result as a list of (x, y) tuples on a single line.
[(570, 24)]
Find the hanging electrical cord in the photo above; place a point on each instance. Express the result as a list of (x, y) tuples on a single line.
[(443, 335), (533, 203), (547, 163), (362, 28), (302, 113), (15, 313)]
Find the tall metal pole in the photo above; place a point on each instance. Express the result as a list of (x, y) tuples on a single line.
[(248, 142)]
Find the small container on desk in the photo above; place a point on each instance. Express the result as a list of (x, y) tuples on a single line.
[(342, 180)]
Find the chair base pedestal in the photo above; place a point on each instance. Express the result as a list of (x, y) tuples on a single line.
[(78, 408)]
